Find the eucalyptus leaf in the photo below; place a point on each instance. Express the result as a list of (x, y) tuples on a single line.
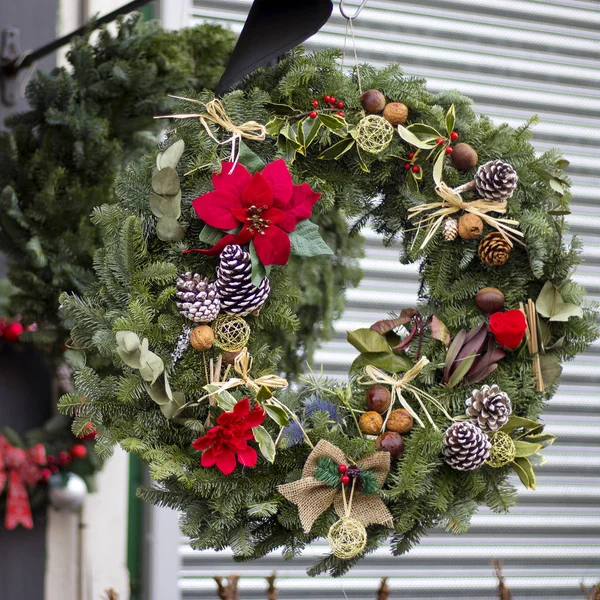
[(544, 174), (307, 241), (166, 207), (563, 311), (129, 341), (559, 212), (557, 186), (367, 340), (562, 163), (412, 139), (551, 368), (166, 182), (548, 296), (169, 230), (265, 442), (171, 156)]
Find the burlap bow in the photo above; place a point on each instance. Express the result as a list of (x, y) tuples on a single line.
[(19, 467), (451, 203), (215, 113), (313, 497)]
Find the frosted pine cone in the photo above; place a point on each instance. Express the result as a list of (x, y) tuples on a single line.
[(489, 407), (450, 229), (496, 181), (198, 299), (239, 296), (466, 446)]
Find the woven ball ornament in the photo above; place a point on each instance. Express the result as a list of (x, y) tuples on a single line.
[(347, 538), (374, 134), (232, 333), (503, 450)]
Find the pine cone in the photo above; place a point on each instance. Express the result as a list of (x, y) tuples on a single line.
[(489, 407), (198, 298), (496, 181), (466, 447), (239, 296), (494, 249), (450, 229)]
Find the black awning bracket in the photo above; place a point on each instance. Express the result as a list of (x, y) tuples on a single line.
[(10, 54)]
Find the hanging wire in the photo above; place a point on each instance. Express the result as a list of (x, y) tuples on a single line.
[(356, 13), (350, 27)]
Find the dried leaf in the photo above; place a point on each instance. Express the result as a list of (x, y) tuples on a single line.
[(439, 331), (386, 325)]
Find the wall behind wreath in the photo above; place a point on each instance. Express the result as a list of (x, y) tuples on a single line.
[(515, 59)]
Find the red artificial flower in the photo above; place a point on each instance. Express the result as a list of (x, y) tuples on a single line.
[(230, 438), (508, 328), (267, 205)]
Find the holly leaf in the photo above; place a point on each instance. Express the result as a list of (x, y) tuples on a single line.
[(284, 110), (310, 128), (333, 122), (307, 241), (515, 422), (210, 235), (265, 443), (274, 126), (277, 414), (526, 448), (224, 399), (450, 119), (425, 132), (171, 156), (337, 150), (367, 340), (524, 470), (412, 139), (166, 182)]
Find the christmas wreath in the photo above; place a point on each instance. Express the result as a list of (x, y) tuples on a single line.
[(194, 297)]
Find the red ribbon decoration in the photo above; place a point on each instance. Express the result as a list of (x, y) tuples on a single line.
[(19, 467)]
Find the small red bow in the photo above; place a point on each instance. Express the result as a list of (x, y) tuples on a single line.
[(19, 467)]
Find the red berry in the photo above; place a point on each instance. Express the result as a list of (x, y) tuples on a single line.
[(313, 114), (64, 458), (411, 155), (54, 469), (341, 113), (78, 451), (12, 332), (50, 460), (340, 105), (407, 166), (439, 141), (345, 479), (46, 474), (449, 150), (332, 100), (454, 136), (342, 468), (327, 98), (315, 103), (416, 169)]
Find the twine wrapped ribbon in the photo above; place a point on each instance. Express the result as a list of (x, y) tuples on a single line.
[(313, 497), (451, 203), (215, 113), (375, 376), (19, 467)]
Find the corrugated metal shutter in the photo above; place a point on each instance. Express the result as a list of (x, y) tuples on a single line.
[(514, 58)]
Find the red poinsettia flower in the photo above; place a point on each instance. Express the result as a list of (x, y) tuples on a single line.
[(229, 438), (267, 205), (508, 328)]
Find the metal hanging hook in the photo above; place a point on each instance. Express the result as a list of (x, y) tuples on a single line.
[(346, 16)]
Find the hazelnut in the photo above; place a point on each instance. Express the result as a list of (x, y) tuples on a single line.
[(391, 442), (396, 113), (370, 422), (400, 421), (202, 338), (373, 101), (489, 300), (378, 398), (463, 157), (470, 226)]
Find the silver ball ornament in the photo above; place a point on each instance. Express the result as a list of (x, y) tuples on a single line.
[(67, 491)]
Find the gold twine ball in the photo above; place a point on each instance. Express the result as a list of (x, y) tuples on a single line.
[(503, 450), (374, 134), (231, 332), (347, 538)]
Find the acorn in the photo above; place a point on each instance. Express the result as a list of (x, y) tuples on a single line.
[(373, 101), (396, 113), (489, 300), (470, 226), (202, 338), (400, 421), (463, 157), (378, 398), (370, 422), (391, 442)]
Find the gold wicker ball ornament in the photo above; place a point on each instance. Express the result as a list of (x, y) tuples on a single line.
[(503, 450), (231, 333), (374, 134), (347, 538)]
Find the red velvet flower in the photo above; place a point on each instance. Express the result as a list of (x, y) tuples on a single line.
[(508, 328), (230, 438), (267, 205)]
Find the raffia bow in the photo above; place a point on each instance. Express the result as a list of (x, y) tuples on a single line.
[(451, 203), (314, 497), (375, 376), (19, 467), (215, 113)]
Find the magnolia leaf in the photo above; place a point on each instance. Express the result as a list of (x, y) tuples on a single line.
[(333, 122), (526, 448), (386, 325), (171, 156), (438, 167), (367, 340), (515, 422), (250, 159), (392, 362), (337, 150), (450, 119), (310, 128), (175, 407), (169, 230), (551, 368), (559, 212), (412, 139), (277, 414), (265, 443), (166, 182), (557, 186), (307, 241), (525, 472), (562, 163), (210, 235), (439, 331), (166, 207)]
